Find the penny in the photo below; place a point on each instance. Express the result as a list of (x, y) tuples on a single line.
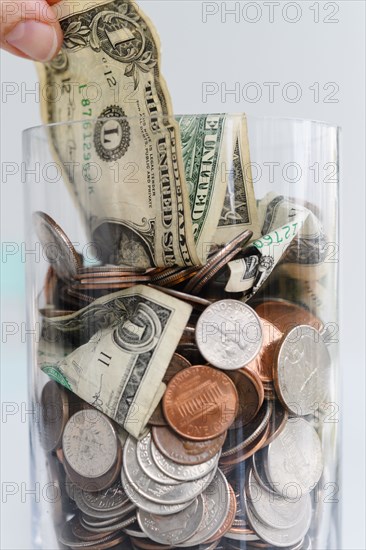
[(150, 489), (147, 463), (226, 526), (277, 422), (285, 315), (184, 451), (280, 537), (194, 300), (107, 271), (149, 545), (234, 246), (175, 529), (89, 444), (247, 451), (52, 312), (217, 505), (274, 511), (295, 461), (200, 403), (182, 472), (146, 504), (263, 362), (54, 414), (302, 370), (57, 247), (229, 334), (251, 395)]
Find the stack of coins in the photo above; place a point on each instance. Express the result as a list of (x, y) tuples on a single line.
[(230, 456)]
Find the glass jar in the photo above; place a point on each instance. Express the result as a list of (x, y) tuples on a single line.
[(241, 451)]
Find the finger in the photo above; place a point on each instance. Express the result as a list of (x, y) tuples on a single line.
[(30, 29)]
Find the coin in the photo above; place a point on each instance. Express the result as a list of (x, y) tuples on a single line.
[(263, 362), (184, 451), (109, 500), (173, 529), (150, 489), (226, 526), (217, 505), (89, 444), (57, 247), (274, 510), (97, 483), (200, 403), (193, 300), (229, 334), (277, 421), (302, 370), (79, 531), (67, 538), (280, 537), (285, 315), (147, 463), (295, 461), (54, 414), (146, 504), (251, 395), (245, 452), (182, 472)]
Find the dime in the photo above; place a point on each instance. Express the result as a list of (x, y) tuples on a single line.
[(251, 395), (274, 511), (173, 529), (263, 363), (229, 334), (54, 413), (182, 472), (148, 465), (161, 494), (116, 526), (90, 444), (280, 537), (285, 315), (302, 370), (184, 451), (200, 403), (97, 483), (217, 505), (295, 461), (57, 247), (88, 521), (148, 505), (109, 500), (79, 531)]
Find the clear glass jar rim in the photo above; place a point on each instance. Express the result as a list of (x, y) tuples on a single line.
[(279, 119)]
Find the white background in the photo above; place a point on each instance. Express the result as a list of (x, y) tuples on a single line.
[(330, 55)]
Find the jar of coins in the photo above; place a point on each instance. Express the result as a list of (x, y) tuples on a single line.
[(184, 294)]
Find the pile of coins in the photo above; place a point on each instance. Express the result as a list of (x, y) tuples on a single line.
[(230, 456)]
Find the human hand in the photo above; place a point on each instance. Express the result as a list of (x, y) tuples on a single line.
[(29, 29)]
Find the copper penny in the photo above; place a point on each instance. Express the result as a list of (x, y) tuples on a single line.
[(177, 364), (263, 362), (248, 451), (184, 451), (226, 526), (193, 300), (251, 395), (285, 315), (149, 545), (200, 403), (54, 414)]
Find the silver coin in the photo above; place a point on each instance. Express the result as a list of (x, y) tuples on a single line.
[(280, 537), (241, 536), (57, 247), (150, 468), (145, 504), (98, 522), (109, 500), (79, 495), (150, 489), (89, 443), (173, 529), (302, 370), (135, 531), (273, 510), (217, 504), (294, 461), (229, 334), (181, 472), (117, 526)]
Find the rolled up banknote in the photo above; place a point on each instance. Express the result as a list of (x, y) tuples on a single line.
[(120, 369)]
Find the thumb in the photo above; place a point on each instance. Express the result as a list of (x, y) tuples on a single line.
[(30, 29)]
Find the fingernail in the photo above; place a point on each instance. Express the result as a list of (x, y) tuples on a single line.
[(35, 39)]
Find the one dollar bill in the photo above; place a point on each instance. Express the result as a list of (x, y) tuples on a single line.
[(120, 369)]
